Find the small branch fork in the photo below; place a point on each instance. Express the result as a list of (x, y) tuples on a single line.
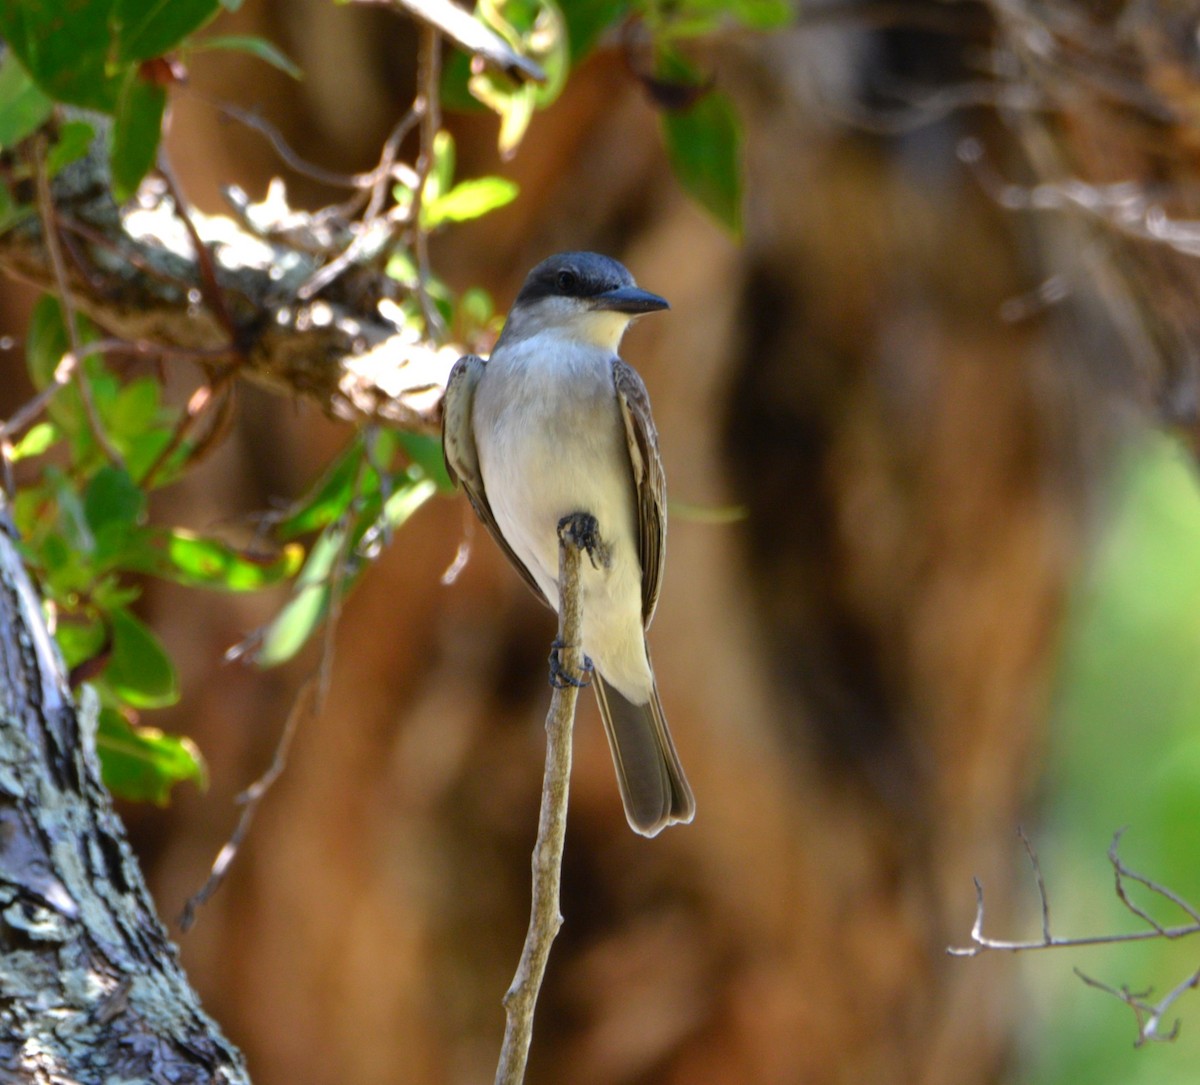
[(545, 919), (1150, 1016)]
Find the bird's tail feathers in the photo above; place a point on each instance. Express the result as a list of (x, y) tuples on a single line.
[(653, 787)]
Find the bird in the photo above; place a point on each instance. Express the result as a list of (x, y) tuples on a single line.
[(553, 425)]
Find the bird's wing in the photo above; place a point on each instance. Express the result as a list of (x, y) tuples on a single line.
[(648, 478), (462, 457)]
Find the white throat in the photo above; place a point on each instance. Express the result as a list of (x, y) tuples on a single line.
[(566, 318)]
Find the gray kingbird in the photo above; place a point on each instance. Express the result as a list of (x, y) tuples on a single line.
[(553, 424)]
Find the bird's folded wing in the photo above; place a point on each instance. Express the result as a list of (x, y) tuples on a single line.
[(462, 457), (649, 479)]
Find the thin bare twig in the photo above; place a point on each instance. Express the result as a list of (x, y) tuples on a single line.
[(1041, 882), (54, 249), (208, 398), (1149, 1016), (210, 289), (294, 161), (310, 699), (545, 919), (1121, 872), (380, 180), (305, 705), (981, 943), (428, 107)]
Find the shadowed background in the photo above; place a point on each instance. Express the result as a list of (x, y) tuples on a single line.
[(861, 674)]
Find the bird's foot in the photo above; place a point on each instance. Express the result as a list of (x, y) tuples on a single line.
[(560, 677), (582, 531)]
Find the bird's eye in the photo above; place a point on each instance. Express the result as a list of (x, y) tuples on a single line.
[(566, 281)]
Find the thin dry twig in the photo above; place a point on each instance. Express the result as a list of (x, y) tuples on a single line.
[(1121, 872), (545, 919), (428, 108), (981, 943), (54, 250), (379, 181), (309, 701), (1149, 1016), (304, 706), (210, 289), (209, 398), (1132, 208), (291, 158)]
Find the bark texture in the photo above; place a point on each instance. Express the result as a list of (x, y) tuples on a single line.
[(91, 988)]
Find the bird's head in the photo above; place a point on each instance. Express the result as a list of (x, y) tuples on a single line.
[(582, 295)]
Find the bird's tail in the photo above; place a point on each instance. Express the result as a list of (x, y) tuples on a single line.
[(653, 787)]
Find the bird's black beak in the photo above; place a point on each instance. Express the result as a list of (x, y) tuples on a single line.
[(629, 299)]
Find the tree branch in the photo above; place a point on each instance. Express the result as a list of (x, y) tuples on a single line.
[(90, 986), (1149, 1015), (545, 919), (140, 275)]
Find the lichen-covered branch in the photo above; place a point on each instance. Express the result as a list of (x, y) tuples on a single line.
[(90, 986), (136, 271)]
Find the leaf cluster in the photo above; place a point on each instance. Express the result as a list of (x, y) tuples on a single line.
[(105, 56), (700, 127)]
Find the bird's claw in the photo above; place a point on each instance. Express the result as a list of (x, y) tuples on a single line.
[(560, 677), (582, 531)]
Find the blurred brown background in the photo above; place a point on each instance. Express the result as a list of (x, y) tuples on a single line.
[(857, 674)]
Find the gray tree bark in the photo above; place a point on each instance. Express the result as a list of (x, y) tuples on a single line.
[(91, 988)]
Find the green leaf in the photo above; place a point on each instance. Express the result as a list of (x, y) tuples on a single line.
[(23, 108), (304, 612), (143, 763), (537, 30), (112, 505), (426, 453), (64, 46), (444, 163), (37, 440), (112, 499), (74, 140), (136, 408), (46, 342), (404, 502), (334, 492), (80, 638), (149, 28), (455, 92), (588, 19), (200, 562), (752, 14), (704, 144), (469, 200), (139, 672), (256, 47), (137, 128), (11, 212)]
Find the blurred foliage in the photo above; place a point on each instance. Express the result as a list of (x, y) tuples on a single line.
[(1125, 752), (701, 130), (104, 55), (107, 439)]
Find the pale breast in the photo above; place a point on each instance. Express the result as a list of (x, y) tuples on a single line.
[(551, 442)]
